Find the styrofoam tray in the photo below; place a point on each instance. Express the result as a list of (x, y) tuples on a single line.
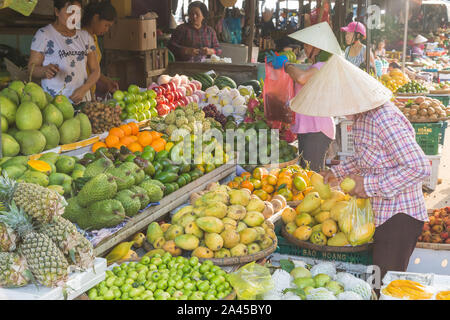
[(78, 283), (430, 261)]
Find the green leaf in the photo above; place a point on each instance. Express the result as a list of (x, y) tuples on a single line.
[(287, 265), (299, 292), (282, 186)]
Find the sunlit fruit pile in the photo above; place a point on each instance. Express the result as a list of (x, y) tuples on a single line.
[(412, 87), (292, 182), (438, 228), (423, 109), (163, 277), (394, 80)]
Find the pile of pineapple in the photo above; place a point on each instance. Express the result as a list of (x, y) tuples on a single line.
[(36, 243)]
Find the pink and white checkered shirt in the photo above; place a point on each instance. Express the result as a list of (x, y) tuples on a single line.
[(390, 160)]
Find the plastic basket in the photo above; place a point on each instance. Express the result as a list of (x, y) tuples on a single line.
[(430, 135)]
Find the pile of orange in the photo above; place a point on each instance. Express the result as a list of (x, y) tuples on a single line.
[(128, 135), (292, 182)]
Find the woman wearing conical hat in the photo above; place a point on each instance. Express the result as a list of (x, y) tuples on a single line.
[(388, 165)]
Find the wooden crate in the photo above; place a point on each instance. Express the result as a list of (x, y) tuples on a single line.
[(140, 68)]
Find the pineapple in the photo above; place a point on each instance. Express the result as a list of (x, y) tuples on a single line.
[(13, 270), (40, 203), (7, 239), (45, 261), (77, 249)]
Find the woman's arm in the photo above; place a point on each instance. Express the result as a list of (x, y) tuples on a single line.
[(39, 71), (178, 49), (298, 75), (78, 95)]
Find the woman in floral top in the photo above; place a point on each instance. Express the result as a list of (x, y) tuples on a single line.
[(195, 40), (60, 54)]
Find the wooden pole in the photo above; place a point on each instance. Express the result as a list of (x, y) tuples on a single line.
[(300, 10), (405, 35), (252, 29), (369, 31)]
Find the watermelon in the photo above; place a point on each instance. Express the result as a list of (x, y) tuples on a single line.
[(222, 82), (205, 79), (255, 84)]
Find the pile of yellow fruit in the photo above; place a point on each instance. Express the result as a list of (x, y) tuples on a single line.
[(394, 80), (325, 216), (407, 289), (292, 182)]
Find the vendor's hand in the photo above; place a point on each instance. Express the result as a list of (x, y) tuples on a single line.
[(51, 70), (207, 51), (111, 85), (192, 52), (358, 190), (79, 94), (277, 61), (329, 178)]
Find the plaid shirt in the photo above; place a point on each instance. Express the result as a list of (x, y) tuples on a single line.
[(185, 36), (390, 160)]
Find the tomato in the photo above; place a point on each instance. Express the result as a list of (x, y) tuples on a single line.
[(171, 282), (110, 281), (203, 286), (93, 293), (156, 276), (179, 284), (133, 275), (156, 261), (193, 261), (209, 275), (162, 284), (171, 290), (209, 297), (109, 295), (188, 285), (204, 268), (119, 282), (145, 260)]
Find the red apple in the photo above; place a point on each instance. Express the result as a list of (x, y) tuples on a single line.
[(447, 241), (426, 227), (162, 109), (193, 87), (170, 97), (184, 100)]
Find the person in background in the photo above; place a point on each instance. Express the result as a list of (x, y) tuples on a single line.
[(97, 19), (418, 48), (380, 51), (60, 54), (195, 40), (355, 32)]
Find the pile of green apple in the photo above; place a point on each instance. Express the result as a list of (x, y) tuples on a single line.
[(163, 278), (136, 104)]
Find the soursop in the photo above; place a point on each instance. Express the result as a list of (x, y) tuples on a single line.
[(345, 278), (101, 187), (349, 295), (360, 287), (324, 267), (320, 294)]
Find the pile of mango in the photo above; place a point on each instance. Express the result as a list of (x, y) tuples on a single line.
[(394, 80), (292, 182), (326, 216)]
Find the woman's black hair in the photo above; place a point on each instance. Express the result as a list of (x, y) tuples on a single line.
[(201, 6), (104, 9), (59, 4)]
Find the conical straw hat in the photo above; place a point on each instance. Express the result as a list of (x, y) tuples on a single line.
[(339, 89), (320, 36), (420, 39)]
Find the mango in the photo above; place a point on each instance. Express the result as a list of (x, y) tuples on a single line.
[(338, 240), (154, 232), (159, 243), (347, 185), (230, 238), (202, 252), (177, 216), (291, 227), (321, 217), (303, 219), (253, 248), (362, 234), (218, 210), (192, 228), (256, 204), (345, 222), (229, 223), (253, 219), (324, 190), (339, 208), (171, 247), (239, 250), (186, 219), (310, 203), (271, 234), (210, 224), (317, 227), (236, 212), (288, 215), (318, 238), (266, 242), (165, 226), (187, 242), (239, 196), (173, 231), (214, 241), (329, 227), (222, 253), (248, 235), (153, 252), (302, 233), (241, 226)]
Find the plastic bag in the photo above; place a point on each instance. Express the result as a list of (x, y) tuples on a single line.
[(357, 221), (251, 280), (24, 7), (278, 91)]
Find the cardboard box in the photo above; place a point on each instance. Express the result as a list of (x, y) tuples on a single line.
[(131, 35)]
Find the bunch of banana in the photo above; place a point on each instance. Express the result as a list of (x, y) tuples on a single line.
[(407, 289)]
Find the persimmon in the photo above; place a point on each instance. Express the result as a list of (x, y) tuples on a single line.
[(247, 185), (126, 129), (117, 132), (158, 144), (134, 128), (133, 147), (112, 140), (98, 145), (145, 138)]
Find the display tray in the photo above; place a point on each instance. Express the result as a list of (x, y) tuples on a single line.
[(411, 94), (440, 91), (433, 246), (309, 245), (426, 120), (233, 260)]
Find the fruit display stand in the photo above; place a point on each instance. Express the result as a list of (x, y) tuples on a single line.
[(77, 284), (168, 203), (288, 244)]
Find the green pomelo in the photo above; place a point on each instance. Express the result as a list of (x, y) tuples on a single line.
[(52, 114), (10, 147), (85, 126), (70, 131), (51, 134), (28, 116), (8, 109), (4, 125), (64, 105), (34, 93), (11, 95), (31, 141), (17, 86)]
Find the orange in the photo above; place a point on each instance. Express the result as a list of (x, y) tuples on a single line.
[(308, 190), (98, 145), (119, 145), (145, 138), (134, 128), (309, 173), (117, 132), (247, 184), (275, 172), (233, 185), (271, 179), (260, 173), (135, 147), (126, 141), (111, 140), (268, 188), (246, 175), (155, 134), (299, 196), (134, 138), (158, 144), (126, 129)]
